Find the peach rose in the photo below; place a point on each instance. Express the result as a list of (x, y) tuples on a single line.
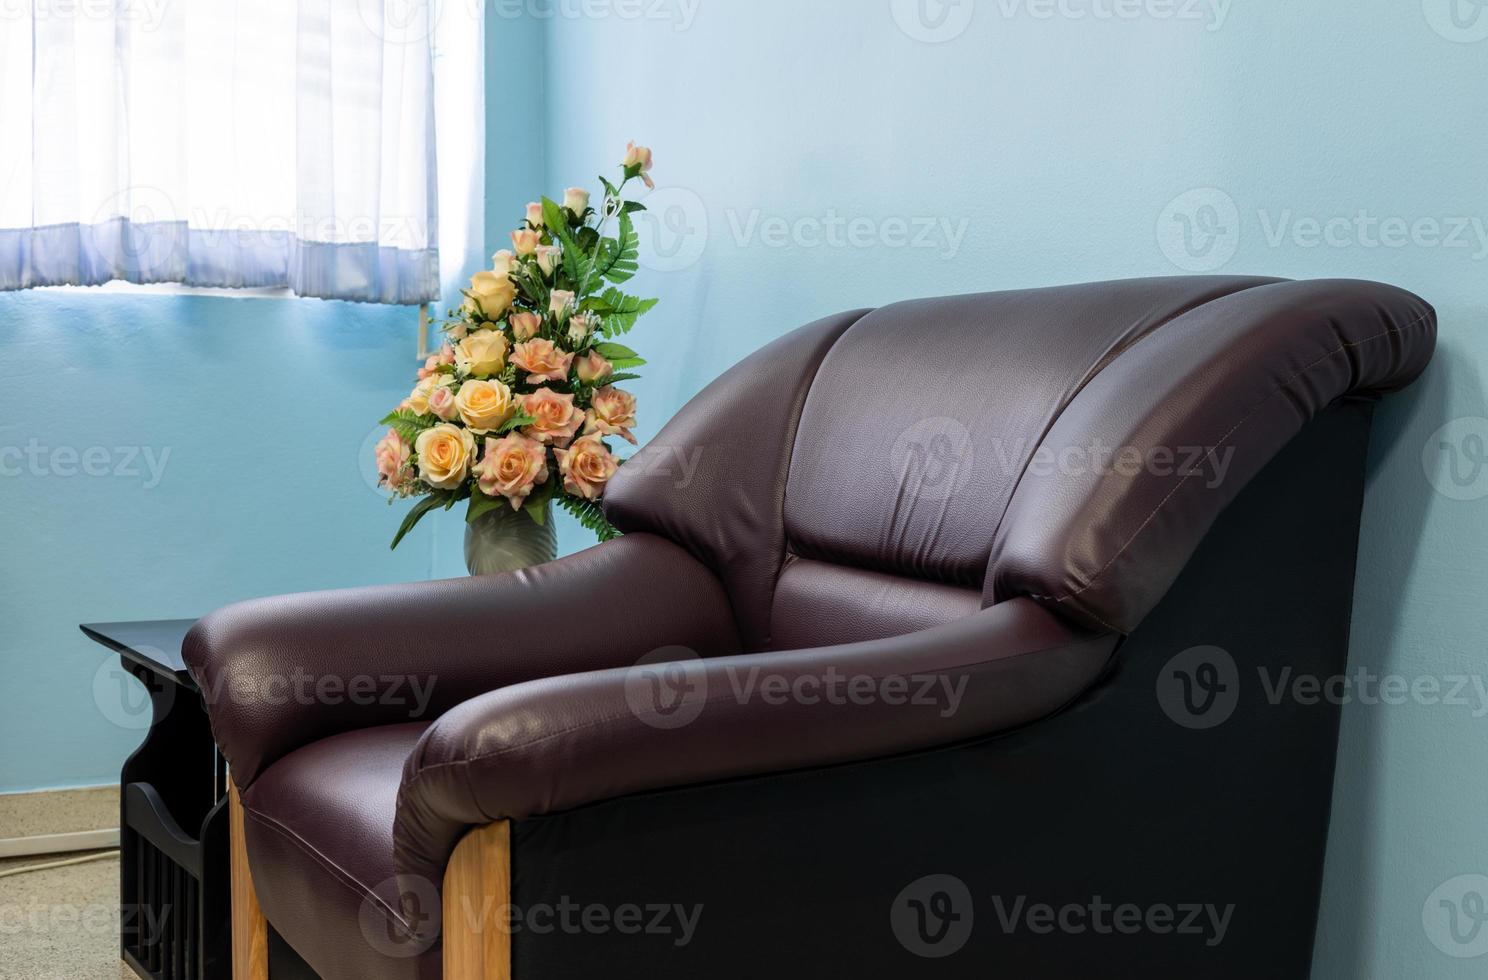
[(638, 159), (576, 201), (524, 240), (513, 466), (542, 360), (613, 412), (442, 403), (392, 452), (556, 417), (504, 262), (483, 353), (586, 466), (485, 406), (442, 358), (492, 294), (535, 214), (591, 367), (445, 453), (525, 325), (548, 258)]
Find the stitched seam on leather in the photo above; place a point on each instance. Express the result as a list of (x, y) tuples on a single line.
[(790, 456), (1086, 381), (338, 873), (972, 665), (1280, 388)]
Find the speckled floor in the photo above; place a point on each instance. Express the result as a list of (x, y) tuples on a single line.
[(63, 923)]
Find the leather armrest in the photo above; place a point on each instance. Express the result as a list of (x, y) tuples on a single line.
[(562, 742), (282, 672)]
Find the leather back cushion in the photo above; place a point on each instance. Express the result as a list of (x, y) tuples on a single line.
[(924, 415)]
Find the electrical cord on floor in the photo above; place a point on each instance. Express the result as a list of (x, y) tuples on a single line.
[(26, 869)]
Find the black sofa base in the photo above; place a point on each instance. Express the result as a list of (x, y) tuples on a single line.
[(1110, 840)]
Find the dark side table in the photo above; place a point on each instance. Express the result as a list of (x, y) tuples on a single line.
[(175, 889)]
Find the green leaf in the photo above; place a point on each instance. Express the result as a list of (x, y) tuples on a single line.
[(590, 515), (537, 504), (408, 423), (630, 207), (516, 421), (620, 363), (481, 504), (575, 263), (617, 378), (620, 311), (415, 515), (619, 258), (612, 351)]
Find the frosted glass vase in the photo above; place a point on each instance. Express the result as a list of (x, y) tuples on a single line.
[(504, 540)]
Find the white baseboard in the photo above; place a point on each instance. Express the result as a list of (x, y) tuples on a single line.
[(87, 840)]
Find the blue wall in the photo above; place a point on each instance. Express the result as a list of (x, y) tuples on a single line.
[(1073, 149)]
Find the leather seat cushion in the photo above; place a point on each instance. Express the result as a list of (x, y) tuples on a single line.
[(319, 826)]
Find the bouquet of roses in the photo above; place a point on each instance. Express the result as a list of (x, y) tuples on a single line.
[(515, 408)]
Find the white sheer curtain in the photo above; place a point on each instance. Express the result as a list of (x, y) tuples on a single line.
[(220, 143)]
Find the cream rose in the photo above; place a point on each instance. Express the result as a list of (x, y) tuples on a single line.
[(418, 399), (586, 467), (576, 201), (535, 214), (556, 417), (542, 360), (548, 257), (445, 453), (613, 412), (591, 368), (483, 353), (512, 468), (525, 325), (524, 240), (560, 302), (493, 294), (504, 262), (485, 406)]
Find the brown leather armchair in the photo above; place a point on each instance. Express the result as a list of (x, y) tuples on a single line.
[(935, 646)]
